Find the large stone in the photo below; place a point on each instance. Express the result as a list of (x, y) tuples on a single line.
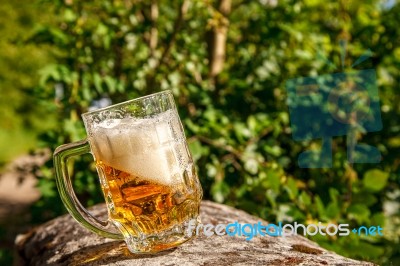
[(63, 241)]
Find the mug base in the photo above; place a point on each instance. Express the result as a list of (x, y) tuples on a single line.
[(168, 239)]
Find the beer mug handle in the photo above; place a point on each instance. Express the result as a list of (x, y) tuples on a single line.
[(64, 185)]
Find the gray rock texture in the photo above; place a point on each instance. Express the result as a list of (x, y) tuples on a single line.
[(63, 241)]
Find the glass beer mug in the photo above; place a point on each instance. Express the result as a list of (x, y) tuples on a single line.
[(146, 173)]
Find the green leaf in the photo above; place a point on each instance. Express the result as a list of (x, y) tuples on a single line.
[(320, 207), (305, 199), (273, 180), (296, 214), (47, 188), (273, 150), (378, 219), (332, 210), (111, 84), (97, 82), (375, 180), (291, 188), (219, 191), (333, 194), (195, 149), (359, 212), (252, 123), (69, 15), (271, 196)]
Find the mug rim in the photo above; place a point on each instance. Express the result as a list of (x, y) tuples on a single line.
[(126, 102)]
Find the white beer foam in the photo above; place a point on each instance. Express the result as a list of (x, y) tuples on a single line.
[(142, 147)]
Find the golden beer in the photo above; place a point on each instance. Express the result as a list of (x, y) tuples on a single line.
[(146, 174), (145, 207)]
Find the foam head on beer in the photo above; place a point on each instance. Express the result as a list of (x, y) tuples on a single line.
[(149, 148)]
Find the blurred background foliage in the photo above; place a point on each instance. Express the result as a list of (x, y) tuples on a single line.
[(19, 62), (227, 63)]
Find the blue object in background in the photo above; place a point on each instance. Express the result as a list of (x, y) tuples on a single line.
[(335, 105)]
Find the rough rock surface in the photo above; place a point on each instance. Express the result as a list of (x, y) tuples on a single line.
[(63, 242)]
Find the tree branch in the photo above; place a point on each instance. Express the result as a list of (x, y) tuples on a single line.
[(214, 143), (153, 40), (217, 40)]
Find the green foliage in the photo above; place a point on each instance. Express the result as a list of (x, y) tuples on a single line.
[(237, 123), (375, 180), (21, 115)]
